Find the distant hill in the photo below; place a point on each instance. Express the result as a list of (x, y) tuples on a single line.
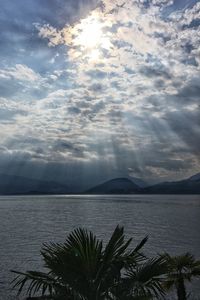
[(195, 177), (127, 186), (16, 185), (12, 185), (186, 186), (115, 186), (141, 183)]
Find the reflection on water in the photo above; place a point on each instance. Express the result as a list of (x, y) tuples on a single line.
[(172, 223)]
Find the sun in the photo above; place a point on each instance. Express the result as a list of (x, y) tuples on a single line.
[(91, 33), (91, 37)]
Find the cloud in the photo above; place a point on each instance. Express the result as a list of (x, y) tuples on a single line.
[(20, 72), (131, 101)]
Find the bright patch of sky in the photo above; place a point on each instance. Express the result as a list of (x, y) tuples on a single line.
[(98, 89)]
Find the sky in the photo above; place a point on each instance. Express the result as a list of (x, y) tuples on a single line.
[(91, 90)]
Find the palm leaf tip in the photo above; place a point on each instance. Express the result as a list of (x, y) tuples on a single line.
[(36, 281), (141, 244)]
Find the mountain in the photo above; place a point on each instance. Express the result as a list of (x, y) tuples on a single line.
[(186, 186), (115, 186), (195, 177), (126, 186), (141, 183), (16, 185), (12, 184)]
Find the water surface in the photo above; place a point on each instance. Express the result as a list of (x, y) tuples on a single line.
[(172, 223)]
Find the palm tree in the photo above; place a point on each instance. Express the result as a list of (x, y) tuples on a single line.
[(180, 269), (143, 281), (81, 269)]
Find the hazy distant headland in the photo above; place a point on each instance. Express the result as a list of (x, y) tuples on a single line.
[(17, 185)]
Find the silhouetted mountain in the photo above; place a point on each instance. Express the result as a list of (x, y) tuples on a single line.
[(141, 183), (126, 186), (11, 184), (186, 186), (195, 177), (115, 186)]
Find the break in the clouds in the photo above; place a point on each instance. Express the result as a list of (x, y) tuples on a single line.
[(97, 89)]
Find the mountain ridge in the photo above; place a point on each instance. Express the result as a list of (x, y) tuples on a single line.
[(19, 185), (189, 185), (121, 185), (14, 185)]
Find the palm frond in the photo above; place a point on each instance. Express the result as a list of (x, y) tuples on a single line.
[(80, 269), (37, 281), (76, 262), (116, 245), (141, 244), (147, 278), (136, 256)]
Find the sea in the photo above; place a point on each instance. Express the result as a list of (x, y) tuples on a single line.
[(171, 222)]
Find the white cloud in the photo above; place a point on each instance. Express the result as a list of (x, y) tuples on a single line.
[(123, 101), (20, 72)]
